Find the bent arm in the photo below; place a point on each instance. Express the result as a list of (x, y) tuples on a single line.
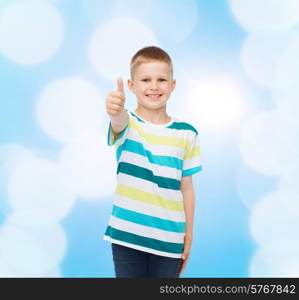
[(119, 123)]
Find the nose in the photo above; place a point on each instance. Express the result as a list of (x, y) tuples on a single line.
[(154, 85)]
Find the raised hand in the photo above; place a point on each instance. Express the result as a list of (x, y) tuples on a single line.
[(115, 101)]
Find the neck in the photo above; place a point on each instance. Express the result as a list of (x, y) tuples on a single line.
[(158, 116)]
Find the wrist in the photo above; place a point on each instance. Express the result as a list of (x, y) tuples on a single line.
[(119, 122), (189, 235)]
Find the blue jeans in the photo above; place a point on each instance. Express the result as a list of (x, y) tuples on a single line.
[(133, 263)]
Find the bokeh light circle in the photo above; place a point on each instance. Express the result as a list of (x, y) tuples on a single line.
[(266, 15), (115, 42), (259, 144), (31, 251), (269, 219), (214, 103), (261, 54), (276, 258), (39, 185), (70, 109), (30, 31)]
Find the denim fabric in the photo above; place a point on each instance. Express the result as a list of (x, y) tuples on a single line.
[(132, 263)]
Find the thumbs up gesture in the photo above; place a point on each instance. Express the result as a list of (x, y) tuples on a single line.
[(115, 102)]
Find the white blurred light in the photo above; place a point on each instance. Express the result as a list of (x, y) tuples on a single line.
[(28, 218), (246, 179), (287, 116), (260, 144), (95, 11), (115, 42), (172, 20), (90, 167), (55, 273), (38, 185), (261, 54), (70, 109), (31, 251), (270, 219), (30, 31), (287, 96), (215, 103), (8, 271), (289, 189), (276, 258), (132, 8), (10, 156), (266, 15), (288, 67)]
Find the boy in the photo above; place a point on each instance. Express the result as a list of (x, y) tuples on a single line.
[(151, 225)]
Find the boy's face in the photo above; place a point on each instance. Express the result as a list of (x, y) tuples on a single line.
[(152, 84)]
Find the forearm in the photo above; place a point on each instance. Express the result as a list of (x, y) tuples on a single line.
[(189, 206), (120, 122)]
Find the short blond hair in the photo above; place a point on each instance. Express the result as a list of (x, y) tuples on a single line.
[(148, 54)]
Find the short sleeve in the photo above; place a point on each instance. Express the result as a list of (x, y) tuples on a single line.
[(191, 161), (121, 137)]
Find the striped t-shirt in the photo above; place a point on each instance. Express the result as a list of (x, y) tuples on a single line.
[(148, 209)]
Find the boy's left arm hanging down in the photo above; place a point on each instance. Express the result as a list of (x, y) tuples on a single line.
[(187, 190)]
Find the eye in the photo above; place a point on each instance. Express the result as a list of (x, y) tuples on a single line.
[(145, 80), (162, 79)]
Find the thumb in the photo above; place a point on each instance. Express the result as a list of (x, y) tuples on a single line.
[(120, 85)]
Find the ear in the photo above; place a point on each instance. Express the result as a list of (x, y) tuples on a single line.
[(173, 84), (131, 85)]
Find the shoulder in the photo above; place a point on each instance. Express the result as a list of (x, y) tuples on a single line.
[(134, 116), (179, 124)]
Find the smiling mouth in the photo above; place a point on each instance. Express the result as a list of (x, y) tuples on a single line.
[(154, 96)]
